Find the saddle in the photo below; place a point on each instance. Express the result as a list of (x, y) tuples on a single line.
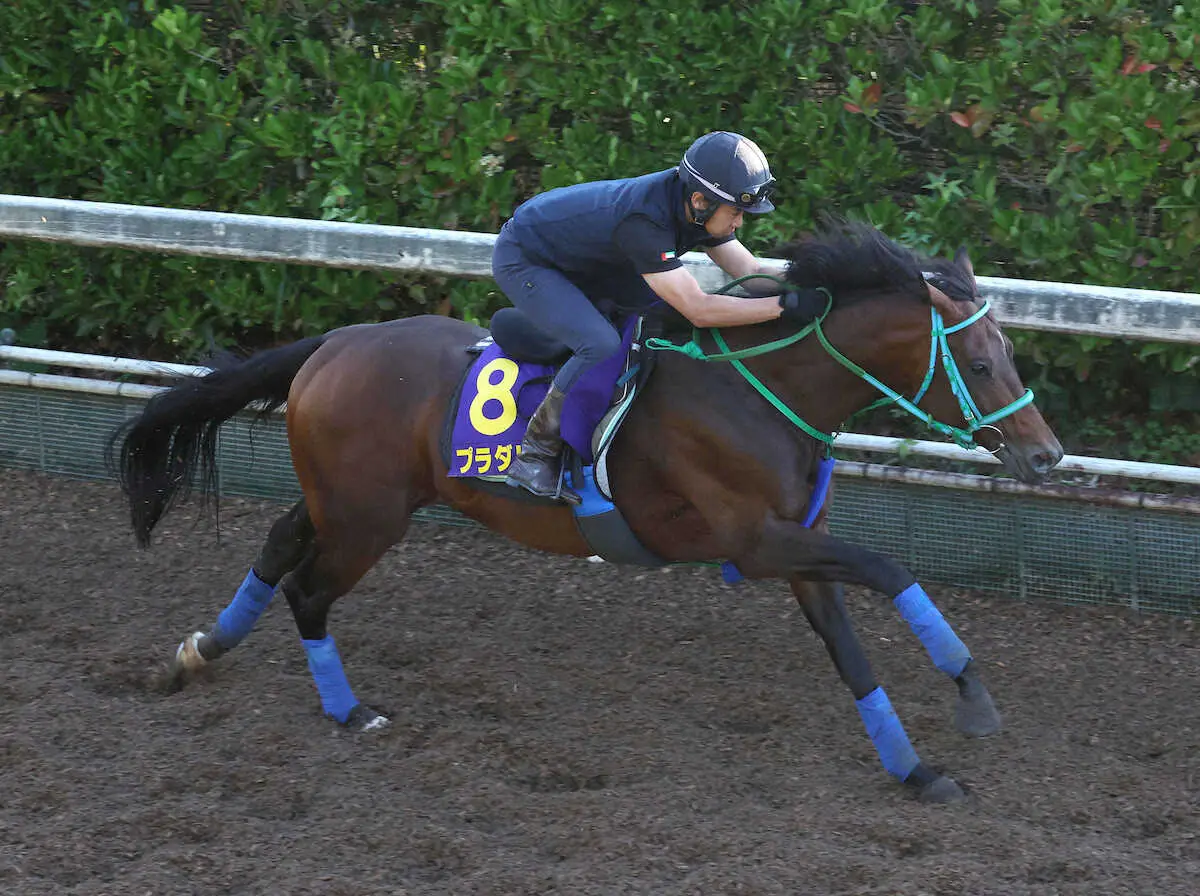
[(502, 387), (505, 383)]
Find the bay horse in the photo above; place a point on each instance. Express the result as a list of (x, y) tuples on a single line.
[(704, 468)]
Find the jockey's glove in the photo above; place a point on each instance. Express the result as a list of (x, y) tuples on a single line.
[(802, 306)]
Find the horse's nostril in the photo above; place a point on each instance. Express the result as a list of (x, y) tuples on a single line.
[(1045, 461)]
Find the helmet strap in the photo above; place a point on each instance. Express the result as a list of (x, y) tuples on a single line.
[(701, 215)]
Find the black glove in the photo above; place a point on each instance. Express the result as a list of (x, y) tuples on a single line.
[(802, 306)]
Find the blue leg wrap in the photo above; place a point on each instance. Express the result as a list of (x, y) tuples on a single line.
[(237, 619), (820, 491), (326, 667), (883, 725), (730, 573), (945, 649)]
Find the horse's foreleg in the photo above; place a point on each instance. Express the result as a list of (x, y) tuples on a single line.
[(788, 550), (289, 539), (825, 610), (976, 713)]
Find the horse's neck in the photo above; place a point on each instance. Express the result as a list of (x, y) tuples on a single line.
[(804, 375), (711, 409), (703, 427), (885, 335)]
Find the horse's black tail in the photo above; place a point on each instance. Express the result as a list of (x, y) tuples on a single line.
[(161, 448)]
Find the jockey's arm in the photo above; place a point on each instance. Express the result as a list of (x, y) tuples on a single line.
[(737, 261), (679, 289)]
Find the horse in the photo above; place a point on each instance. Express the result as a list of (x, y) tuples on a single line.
[(723, 457)]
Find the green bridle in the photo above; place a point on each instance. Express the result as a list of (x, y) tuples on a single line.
[(939, 346)]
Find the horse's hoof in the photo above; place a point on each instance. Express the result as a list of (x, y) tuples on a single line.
[(977, 718), (976, 714), (363, 718), (942, 791), (186, 663)]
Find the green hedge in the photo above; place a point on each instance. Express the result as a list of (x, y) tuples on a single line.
[(1057, 140)]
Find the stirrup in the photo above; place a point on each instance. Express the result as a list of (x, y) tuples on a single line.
[(563, 492), (560, 493)]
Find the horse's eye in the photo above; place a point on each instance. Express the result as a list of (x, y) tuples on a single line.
[(980, 368)]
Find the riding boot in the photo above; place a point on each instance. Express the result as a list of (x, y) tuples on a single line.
[(538, 465)]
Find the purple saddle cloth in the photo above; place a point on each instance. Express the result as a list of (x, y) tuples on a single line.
[(500, 393)]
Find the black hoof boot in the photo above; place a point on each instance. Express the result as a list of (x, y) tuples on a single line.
[(932, 787), (976, 714)]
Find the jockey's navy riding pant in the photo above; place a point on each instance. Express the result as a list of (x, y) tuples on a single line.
[(557, 306)]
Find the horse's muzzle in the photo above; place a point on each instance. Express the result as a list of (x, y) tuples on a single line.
[(1031, 464)]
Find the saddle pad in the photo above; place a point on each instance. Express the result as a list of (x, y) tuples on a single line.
[(497, 399), (499, 394)]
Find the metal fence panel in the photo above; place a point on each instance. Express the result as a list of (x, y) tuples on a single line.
[(1012, 545)]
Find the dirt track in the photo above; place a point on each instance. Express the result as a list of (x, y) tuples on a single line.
[(559, 727)]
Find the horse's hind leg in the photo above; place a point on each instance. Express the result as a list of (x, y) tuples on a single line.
[(825, 609), (289, 540), (332, 567)]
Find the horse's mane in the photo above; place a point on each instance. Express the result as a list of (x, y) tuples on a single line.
[(853, 259)]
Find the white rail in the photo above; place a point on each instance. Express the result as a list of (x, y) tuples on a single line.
[(1096, 466), (1024, 304), (97, 362)]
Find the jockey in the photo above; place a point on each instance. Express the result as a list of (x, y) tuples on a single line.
[(621, 239)]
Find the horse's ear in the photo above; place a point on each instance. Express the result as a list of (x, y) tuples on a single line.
[(933, 292), (963, 260)]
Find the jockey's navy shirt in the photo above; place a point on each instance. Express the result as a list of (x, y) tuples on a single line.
[(604, 235)]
